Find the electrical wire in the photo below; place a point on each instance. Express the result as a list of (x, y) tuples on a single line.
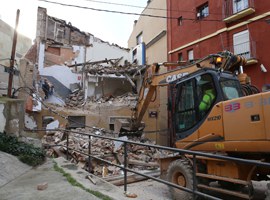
[(127, 13), (147, 15), (141, 7)]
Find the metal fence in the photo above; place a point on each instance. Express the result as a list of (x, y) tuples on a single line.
[(194, 154)]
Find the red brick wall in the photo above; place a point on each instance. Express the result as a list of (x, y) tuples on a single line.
[(192, 30), (58, 56)]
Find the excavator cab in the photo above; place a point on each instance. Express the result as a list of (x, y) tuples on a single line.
[(196, 94)]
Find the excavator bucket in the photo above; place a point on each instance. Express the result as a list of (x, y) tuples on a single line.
[(124, 127)]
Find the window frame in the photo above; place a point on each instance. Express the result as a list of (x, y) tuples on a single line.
[(244, 48), (139, 38), (188, 54), (180, 56), (239, 5), (180, 21), (201, 11)]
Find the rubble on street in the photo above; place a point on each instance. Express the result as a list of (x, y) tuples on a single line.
[(139, 157)]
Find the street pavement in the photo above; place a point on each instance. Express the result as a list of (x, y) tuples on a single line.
[(19, 182)]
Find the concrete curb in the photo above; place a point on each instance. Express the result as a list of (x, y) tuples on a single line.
[(80, 176)]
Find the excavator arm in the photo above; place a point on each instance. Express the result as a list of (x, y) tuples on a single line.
[(153, 79)]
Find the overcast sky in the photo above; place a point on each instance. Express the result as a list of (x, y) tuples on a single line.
[(114, 28)]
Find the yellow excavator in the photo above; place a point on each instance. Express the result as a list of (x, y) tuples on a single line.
[(232, 119)]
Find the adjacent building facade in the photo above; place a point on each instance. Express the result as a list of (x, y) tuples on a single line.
[(151, 32), (6, 40), (198, 28)]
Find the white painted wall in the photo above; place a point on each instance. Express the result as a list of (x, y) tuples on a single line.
[(80, 52), (62, 73), (41, 56), (2, 118), (100, 50)]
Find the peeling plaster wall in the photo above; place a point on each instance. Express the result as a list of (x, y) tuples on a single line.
[(29, 122), (2, 118), (12, 113)]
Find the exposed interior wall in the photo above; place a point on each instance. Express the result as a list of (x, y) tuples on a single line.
[(62, 73), (100, 50), (108, 86), (97, 116), (57, 30)]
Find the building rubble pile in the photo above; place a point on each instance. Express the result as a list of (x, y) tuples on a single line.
[(75, 99), (131, 70), (139, 157), (127, 98)]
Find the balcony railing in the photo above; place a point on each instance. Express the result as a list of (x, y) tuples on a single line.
[(236, 9), (246, 49)]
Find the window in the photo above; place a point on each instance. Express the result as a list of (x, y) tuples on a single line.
[(180, 57), (139, 38), (190, 55), (180, 21), (185, 107), (239, 5), (231, 88), (76, 122), (241, 44), (190, 95), (202, 11)]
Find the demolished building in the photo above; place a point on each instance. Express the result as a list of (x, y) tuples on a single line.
[(94, 82)]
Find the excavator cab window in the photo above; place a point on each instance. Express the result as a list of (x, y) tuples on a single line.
[(231, 88), (195, 97)]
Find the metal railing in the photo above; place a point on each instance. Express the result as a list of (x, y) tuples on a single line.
[(193, 154), (232, 7), (246, 49)]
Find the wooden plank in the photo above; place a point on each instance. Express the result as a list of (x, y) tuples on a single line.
[(113, 178), (133, 178), (228, 192), (142, 163), (237, 181), (58, 152)]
